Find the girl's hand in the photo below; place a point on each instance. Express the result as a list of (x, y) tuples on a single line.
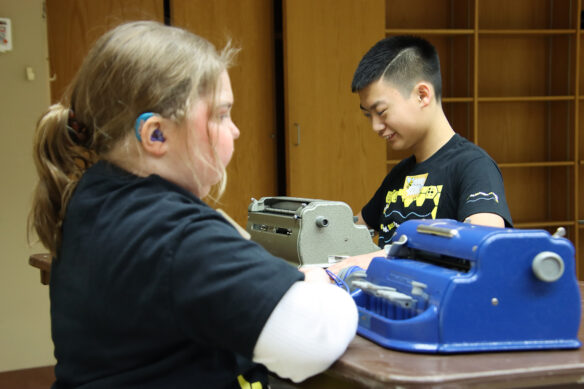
[(315, 274)]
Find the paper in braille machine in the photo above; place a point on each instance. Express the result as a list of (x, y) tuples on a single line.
[(450, 287)]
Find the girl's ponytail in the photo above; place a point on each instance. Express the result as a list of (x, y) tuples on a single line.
[(61, 154)]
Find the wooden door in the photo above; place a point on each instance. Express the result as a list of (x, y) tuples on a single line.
[(250, 25), (73, 26), (332, 152)]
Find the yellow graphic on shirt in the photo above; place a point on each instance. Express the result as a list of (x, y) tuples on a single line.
[(417, 201), (413, 185), (247, 385)]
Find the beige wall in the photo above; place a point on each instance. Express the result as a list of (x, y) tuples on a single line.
[(25, 339)]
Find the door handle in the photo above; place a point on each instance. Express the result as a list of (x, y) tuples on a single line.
[(297, 143)]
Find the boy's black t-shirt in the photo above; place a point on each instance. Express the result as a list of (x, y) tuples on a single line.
[(154, 289), (459, 180)]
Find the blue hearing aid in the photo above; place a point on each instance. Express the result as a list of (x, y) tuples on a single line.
[(156, 136)]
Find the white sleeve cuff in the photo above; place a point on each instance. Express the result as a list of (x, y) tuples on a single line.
[(309, 329)]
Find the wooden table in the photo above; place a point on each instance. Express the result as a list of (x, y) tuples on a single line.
[(367, 365), (43, 263)]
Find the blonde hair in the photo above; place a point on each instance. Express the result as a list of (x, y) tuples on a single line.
[(135, 68)]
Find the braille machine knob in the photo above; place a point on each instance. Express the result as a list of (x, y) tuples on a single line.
[(321, 221), (548, 266)]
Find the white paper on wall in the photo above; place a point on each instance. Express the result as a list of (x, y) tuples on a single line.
[(5, 35)]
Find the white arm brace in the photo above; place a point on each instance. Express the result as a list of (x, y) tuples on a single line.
[(309, 329)]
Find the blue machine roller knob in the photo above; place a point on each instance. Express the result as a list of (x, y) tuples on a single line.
[(548, 266)]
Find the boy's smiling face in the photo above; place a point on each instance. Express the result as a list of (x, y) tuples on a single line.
[(396, 118)]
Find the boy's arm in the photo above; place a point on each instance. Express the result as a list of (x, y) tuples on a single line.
[(362, 221), (486, 219), (363, 260), (481, 179)]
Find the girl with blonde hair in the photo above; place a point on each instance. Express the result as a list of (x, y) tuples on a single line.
[(150, 287)]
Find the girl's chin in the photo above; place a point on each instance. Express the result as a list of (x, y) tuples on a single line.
[(202, 193)]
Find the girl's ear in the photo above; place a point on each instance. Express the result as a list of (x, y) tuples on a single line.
[(152, 136)]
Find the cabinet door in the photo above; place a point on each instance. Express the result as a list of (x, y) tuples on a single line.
[(332, 152), (73, 26), (250, 24)]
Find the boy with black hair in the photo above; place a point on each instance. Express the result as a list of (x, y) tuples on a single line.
[(399, 85)]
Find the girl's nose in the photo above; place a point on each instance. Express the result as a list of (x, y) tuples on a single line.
[(235, 131)]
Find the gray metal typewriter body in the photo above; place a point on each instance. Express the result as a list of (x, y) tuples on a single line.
[(307, 232)]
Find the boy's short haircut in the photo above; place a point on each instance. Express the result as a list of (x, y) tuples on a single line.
[(403, 61)]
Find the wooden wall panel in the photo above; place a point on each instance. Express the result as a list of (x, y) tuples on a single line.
[(525, 14), (526, 131), (579, 142), (561, 74), (581, 52), (74, 25), (415, 14), (581, 139), (580, 212), (516, 66), (250, 25), (580, 167), (533, 197)]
